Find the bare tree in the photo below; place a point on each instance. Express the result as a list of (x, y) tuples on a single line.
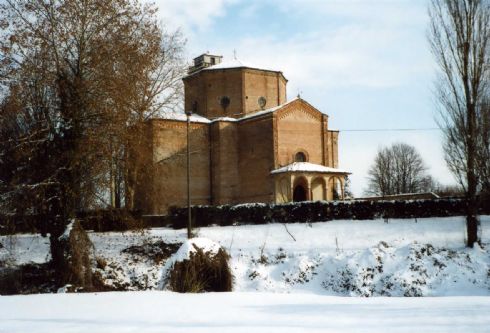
[(459, 35), (161, 91), (483, 148), (75, 75), (398, 169)]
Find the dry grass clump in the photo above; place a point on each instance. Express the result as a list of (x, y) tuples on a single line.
[(203, 272)]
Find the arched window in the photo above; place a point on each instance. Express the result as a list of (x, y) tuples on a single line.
[(300, 157)]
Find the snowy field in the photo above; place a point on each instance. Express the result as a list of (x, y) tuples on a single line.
[(287, 278), (156, 311)]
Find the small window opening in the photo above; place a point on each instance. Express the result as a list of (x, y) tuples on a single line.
[(224, 102), (300, 157)]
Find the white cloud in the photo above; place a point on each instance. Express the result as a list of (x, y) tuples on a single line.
[(191, 15), (374, 47)]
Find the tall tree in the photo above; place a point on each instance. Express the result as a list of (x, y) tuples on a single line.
[(398, 169), (75, 75), (459, 35), (483, 148)]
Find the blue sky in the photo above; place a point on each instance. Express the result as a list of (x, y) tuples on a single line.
[(364, 63)]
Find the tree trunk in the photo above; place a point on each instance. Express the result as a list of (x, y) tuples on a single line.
[(472, 208)]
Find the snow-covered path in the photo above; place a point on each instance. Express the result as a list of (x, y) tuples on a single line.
[(155, 311)]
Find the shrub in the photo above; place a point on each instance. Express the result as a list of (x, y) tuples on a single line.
[(202, 272), (28, 279)]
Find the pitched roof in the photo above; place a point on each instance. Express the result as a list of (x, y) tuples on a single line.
[(195, 118), (266, 111), (308, 167), (236, 63)]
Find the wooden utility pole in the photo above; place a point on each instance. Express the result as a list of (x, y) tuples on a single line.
[(189, 217)]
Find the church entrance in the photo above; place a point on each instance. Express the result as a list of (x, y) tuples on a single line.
[(299, 193)]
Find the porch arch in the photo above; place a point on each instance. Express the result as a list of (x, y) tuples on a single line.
[(300, 189), (318, 189)]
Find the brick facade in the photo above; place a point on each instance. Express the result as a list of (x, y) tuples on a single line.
[(232, 158)]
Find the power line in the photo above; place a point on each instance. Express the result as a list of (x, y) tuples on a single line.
[(390, 129)]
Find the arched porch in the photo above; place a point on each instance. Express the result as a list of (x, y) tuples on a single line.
[(308, 185)]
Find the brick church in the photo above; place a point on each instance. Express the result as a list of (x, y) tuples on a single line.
[(247, 143)]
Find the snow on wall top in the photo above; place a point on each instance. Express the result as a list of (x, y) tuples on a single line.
[(308, 167), (180, 116)]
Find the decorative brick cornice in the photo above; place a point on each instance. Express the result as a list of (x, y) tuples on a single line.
[(301, 106), (168, 123)]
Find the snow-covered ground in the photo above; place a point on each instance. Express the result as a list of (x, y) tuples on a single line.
[(157, 311), (423, 257), (288, 278)]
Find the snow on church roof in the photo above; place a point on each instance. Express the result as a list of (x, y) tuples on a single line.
[(236, 63), (195, 118), (270, 110), (308, 167)]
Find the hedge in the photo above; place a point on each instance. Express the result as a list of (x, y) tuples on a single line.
[(316, 211), (255, 213)]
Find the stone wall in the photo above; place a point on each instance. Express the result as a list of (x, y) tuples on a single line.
[(331, 150), (168, 184), (243, 87), (225, 180), (256, 159), (256, 84), (299, 129)]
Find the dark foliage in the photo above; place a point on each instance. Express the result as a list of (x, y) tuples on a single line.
[(319, 211), (28, 279), (100, 220), (156, 251)]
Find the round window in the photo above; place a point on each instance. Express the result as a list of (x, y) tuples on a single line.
[(262, 102)]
